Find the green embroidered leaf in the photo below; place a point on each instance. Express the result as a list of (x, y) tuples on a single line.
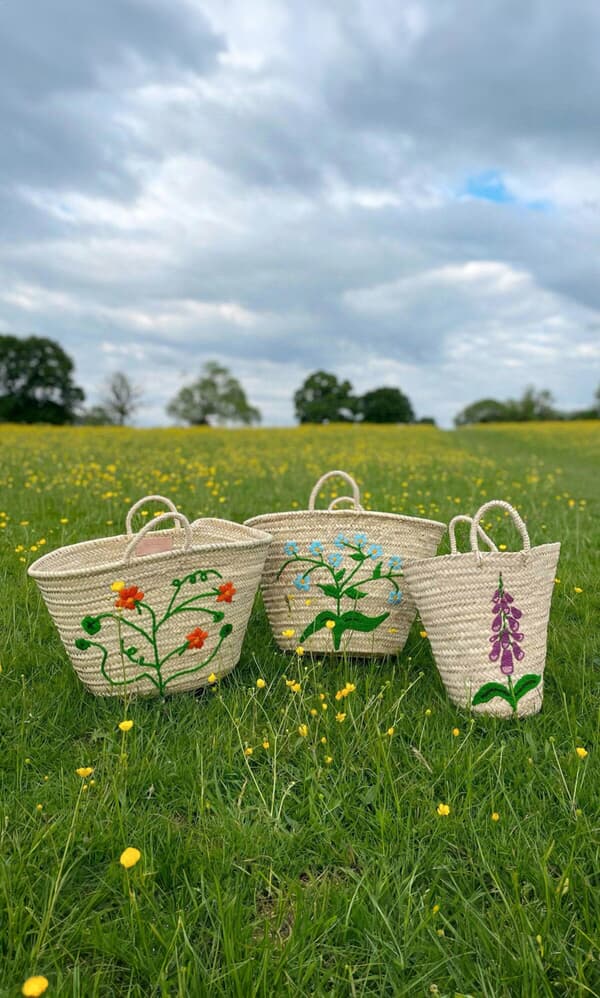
[(355, 593), (82, 644), (225, 630), (358, 557), (488, 691), (91, 625), (352, 620), (338, 576), (317, 624), (328, 589), (525, 684), (377, 570)]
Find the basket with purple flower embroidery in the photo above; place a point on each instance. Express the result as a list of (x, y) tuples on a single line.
[(333, 577), (486, 615), (154, 612)]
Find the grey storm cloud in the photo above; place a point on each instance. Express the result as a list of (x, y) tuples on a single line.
[(403, 193)]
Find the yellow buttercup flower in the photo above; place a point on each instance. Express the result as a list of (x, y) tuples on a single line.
[(295, 687), (260, 684), (129, 857), (288, 633), (212, 678), (34, 986), (290, 682), (390, 732), (328, 760), (266, 744), (303, 730), (125, 725), (300, 651), (340, 717), (581, 752), (435, 909), (313, 711), (577, 589), (84, 771), (495, 816), (456, 732), (443, 810), (117, 586), (248, 751)]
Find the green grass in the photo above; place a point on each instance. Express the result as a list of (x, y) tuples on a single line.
[(281, 873)]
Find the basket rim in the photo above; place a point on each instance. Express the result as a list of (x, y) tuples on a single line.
[(416, 563), (254, 521), (256, 539)]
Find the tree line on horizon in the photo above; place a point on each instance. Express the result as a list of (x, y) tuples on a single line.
[(37, 386)]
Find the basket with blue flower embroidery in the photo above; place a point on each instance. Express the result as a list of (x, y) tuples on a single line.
[(333, 577), (486, 615), (154, 612)]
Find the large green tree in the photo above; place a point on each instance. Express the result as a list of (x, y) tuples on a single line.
[(215, 397), (483, 411), (121, 398), (533, 405), (386, 405), (36, 381), (324, 399)]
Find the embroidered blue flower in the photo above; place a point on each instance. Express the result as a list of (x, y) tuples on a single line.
[(335, 559), (395, 597), (315, 547), (302, 583), (360, 539), (395, 562), (291, 547), (341, 541), (374, 551)]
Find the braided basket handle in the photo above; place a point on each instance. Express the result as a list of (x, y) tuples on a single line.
[(519, 524), (141, 502), (463, 518), (178, 517), (355, 497), (335, 502)]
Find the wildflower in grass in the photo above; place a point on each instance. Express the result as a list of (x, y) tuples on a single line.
[(322, 696), (248, 751), (290, 547), (35, 986), (295, 687), (330, 624), (350, 688), (313, 712), (456, 732), (212, 678), (577, 589), (335, 559), (118, 586), (302, 583), (557, 582), (340, 717), (435, 909), (125, 725), (84, 771), (495, 816), (323, 740), (266, 744), (423, 634), (428, 712), (290, 682), (315, 547), (443, 810), (303, 730), (300, 651), (196, 638), (226, 592), (288, 633), (502, 547), (390, 732), (63, 520), (129, 857), (260, 684), (581, 752), (328, 760), (39, 807), (324, 706)]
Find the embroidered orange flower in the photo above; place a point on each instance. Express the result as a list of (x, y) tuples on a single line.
[(129, 597), (196, 638), (226, 592)]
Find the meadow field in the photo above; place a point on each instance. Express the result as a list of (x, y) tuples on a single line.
[(284, 851)]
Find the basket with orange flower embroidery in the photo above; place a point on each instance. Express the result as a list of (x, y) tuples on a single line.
[(154, 612), (333, 577), (486, 615)]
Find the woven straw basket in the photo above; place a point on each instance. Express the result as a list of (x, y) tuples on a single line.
[(154, 613), (486, 615), (333, 578)]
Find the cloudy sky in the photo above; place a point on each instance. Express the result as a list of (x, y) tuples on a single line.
[(406, 193)]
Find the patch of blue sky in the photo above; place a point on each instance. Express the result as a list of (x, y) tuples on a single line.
[(489, 185)]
